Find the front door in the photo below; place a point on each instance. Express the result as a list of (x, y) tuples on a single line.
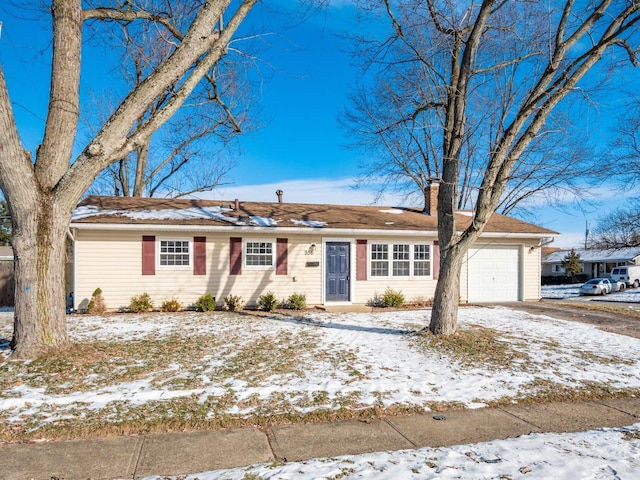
[(337, 273)]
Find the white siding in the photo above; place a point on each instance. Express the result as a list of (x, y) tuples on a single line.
[(112, 260)]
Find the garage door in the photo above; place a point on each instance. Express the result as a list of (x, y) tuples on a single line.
[(494, 274)]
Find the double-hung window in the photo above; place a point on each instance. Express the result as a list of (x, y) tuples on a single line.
[(174, 253), (400, 260), (421, 260), (379, 260), (258, 254)]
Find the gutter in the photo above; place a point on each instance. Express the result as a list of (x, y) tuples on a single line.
[(350, 232)]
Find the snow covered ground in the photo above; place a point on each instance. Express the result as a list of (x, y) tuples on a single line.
[(366, 358), (630, 295), (604, 454)]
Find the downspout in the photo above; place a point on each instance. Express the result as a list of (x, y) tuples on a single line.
[(71, 303)]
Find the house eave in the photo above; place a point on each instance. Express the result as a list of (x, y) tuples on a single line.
[(351, 232)]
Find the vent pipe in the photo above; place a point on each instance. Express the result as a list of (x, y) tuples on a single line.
[(279, 194)]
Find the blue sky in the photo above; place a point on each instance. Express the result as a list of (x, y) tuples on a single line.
[(300, 147)]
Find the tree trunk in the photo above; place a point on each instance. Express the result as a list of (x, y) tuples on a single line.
[(444, 315), (39, 240)]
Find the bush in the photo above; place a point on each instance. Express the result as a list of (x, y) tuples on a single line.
[(141, 303), (96, 305), (206, 303), (267, 302), (297, 301), (233, 303), (172, 305), (391, 298)]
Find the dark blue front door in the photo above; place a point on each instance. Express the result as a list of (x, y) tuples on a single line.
[(337, 273)]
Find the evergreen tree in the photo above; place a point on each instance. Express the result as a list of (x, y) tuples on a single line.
[(5, 224), (571, 264)]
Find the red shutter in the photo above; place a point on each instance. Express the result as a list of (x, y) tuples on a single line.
[(436, 260), (148, 255), (235, 256), (199, 255), (282, 250), (361, 259)]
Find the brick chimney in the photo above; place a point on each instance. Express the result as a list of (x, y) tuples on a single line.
[(431, 197), (279, 194)]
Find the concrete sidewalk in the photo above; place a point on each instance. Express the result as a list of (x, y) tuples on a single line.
[(182, 453)]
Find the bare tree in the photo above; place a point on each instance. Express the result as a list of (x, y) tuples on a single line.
[(42, 192), (508, 64), (397, 120), (619, 229), (187, 155), (624, 162)]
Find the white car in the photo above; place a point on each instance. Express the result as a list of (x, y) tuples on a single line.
[(617, 285), (596, 286)]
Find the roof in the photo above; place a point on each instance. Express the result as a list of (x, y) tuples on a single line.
[(592, 255), (95, 210)]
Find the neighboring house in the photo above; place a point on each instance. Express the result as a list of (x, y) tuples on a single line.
[(595, 263), (7, 278), (334, 254)]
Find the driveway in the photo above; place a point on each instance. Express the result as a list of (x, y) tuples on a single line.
[(617, 322)]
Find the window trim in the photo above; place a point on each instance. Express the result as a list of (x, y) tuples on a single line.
[(245, 255), (188, 240), (390, 260)]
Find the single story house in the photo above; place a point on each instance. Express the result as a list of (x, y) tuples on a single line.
[(332, 253), (595, 263)]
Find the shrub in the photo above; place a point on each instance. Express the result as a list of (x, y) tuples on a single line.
[(172, 305), (141, 303), (391, 298), (267, 301), (297, 301), (206, 303), (233, 303), (376, 301), (96, 305)]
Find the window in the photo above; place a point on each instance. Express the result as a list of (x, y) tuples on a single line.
[(401, 261), (258, 254), (174, 253), (379, 260), (558, 269), (406, 260), (421, 260)]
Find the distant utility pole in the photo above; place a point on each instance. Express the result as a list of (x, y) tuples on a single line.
[(586, 234)]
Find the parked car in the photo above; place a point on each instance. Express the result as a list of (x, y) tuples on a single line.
[(596, 286), (617, 285), (629, 274)]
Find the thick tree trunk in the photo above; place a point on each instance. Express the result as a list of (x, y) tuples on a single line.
[(39, 240), (444, 315)]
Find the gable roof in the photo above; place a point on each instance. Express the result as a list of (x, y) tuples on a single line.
[(593, 255), (97, 212)]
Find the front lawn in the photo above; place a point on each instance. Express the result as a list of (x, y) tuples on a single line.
[(162, 372)]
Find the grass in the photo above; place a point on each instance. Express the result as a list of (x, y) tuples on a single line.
[(475, 346), (221, 350)]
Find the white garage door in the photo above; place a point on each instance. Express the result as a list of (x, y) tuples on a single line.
[(494, 274)]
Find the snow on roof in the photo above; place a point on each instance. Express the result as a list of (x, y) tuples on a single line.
[(309, 223), (216, 213), (95, 210), (593, 255)]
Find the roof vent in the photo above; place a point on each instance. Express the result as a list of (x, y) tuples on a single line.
[(279, 193)]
